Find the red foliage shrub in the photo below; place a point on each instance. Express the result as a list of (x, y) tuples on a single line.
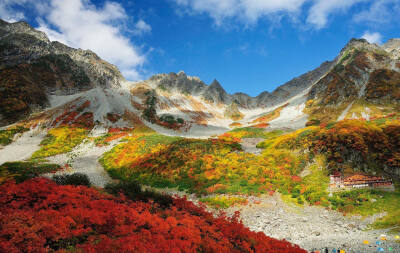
[(41, 216), (119, 130), (76, 117), (296, 179), (113, 117), (261, 125)]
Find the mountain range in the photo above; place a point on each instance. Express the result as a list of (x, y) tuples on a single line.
[(48, 83)]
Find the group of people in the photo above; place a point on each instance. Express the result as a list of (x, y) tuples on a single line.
[(326, 250), (379, 244)]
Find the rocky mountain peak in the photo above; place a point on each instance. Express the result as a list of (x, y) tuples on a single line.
[(182, 74), (359, 44), (23, 27), (217, 86), (393, 46), (215, 93)]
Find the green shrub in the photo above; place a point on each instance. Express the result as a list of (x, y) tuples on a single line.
[(133, 190), (170, 119), (21, 171), (72, 179)]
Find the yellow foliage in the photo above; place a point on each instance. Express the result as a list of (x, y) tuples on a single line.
[(60, 140)]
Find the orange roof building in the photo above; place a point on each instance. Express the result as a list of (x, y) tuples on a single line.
[(360, 181)]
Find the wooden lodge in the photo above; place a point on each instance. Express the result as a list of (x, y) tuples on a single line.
[(337, 181)]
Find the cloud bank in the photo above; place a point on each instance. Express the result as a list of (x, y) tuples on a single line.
[(316, 13), (80, 24)]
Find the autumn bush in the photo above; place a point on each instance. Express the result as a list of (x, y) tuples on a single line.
[(358, 145), (7, 135), (41, 216), (252, 132), (361, 145), (141, 142), (224, 201), (75, 115), (61, 140), (203, 166)]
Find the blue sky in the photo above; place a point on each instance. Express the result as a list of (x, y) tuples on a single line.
[(248, 45)]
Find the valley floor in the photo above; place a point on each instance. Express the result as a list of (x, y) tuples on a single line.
[(311, 227)]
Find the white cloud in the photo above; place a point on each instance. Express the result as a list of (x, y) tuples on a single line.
[(8, 13), (142, 27), (316, 13), (80, 24), (373, 37), (248, 11), (321, 9), (380, 12)]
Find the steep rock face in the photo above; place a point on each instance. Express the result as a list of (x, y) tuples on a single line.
[(24, 87), (393, 47), (20, 43), (179, 82), (294, 86), (31, 67), (244, 100), (383, 86)]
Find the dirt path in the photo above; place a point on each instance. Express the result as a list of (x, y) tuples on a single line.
[(84, 159)]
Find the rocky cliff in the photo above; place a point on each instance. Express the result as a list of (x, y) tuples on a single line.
[(364, 82), (31, 67)]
